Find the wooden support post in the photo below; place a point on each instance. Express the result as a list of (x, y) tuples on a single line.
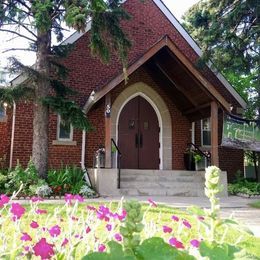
[(214, 134), (108, 130)]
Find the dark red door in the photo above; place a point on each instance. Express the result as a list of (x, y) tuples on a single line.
[(138, 135)]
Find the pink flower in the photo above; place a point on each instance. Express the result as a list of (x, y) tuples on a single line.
[(195, 243), (122, 216), (26, 237), (65, 242), (79, 198), (43, 249), (88, 229), (152, 203), (4, 199), (186, 223), (74, 218), (36, 199), (175, 218), (101, 248), (55, 231), (41, 211), (176, 243), (34, 224), (91, 207), (167, 229), (69, 198), (201, 218), (109, 227), (118, 237), (27, 248), (17, 210)]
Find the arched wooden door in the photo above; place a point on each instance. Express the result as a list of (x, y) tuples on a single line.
[(138, 135)]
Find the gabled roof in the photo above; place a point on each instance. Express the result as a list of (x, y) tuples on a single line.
[(76, 35), (162, 43)]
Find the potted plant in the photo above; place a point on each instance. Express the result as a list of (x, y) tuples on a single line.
[(199, 162)]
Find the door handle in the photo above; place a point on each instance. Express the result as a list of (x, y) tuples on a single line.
[(141, 140), (136, 140)]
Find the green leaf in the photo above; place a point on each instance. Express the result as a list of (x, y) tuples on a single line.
[(194, 210), (156, 249), (217, 251), (115, 253)]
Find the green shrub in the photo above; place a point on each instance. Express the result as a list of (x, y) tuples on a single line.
[(66, 180), (244, 186)]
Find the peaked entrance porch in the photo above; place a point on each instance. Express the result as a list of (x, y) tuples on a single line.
[(150, 121)]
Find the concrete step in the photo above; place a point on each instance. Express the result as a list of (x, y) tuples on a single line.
[(146, 178), (159, 192), (161, 185), (134, 172)]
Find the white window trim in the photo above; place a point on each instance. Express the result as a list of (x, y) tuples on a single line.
[(201, 131), (58, 131)]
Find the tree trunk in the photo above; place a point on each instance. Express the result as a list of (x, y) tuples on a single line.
[(41, 112)]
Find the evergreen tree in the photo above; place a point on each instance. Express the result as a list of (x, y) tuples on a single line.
[(41, 19), (228, 32)]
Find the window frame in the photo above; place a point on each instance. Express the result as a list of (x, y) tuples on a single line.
[(202, 131), (58, 131)]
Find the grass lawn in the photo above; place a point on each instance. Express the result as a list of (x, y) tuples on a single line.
[(255, 204), (74, 221)]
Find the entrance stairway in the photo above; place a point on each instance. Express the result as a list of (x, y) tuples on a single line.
[(161, 183)]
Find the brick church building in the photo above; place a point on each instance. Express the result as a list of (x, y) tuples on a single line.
[(167, 103)]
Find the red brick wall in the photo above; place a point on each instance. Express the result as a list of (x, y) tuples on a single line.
[(3, 143)]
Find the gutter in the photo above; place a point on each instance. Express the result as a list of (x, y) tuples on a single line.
[(12, 136)]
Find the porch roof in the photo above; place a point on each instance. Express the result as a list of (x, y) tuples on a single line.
[(189, 89)]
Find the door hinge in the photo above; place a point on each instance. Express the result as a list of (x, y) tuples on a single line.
[(159, 161)]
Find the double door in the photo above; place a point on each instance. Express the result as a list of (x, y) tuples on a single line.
[(138, 135)]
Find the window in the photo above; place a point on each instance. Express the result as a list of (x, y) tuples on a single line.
[(2, 111), (65, 130), (205, 132)]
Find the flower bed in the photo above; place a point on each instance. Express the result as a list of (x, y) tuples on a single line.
[(58, 182), (124, 230)]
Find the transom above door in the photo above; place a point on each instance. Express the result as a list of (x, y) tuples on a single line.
[(138, 135)]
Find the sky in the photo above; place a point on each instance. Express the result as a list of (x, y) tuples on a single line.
[(177, 7)]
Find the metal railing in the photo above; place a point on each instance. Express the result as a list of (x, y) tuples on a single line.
[(196, 148), (118, 160)]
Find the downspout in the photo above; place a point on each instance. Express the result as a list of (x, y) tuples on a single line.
[(12, 136), (83, 153), (86, 108)]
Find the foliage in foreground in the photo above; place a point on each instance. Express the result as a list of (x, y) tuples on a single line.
[(124, 232)]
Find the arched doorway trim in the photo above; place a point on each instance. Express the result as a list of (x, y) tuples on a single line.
[(162, 112)]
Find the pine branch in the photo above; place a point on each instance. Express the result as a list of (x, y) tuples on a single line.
[(18, 34), (18, 49), (23, 26)]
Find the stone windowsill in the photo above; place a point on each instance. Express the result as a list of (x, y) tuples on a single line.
[(69, 143)]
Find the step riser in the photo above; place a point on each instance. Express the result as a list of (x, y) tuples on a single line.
[(161, 183), (152, 192)]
